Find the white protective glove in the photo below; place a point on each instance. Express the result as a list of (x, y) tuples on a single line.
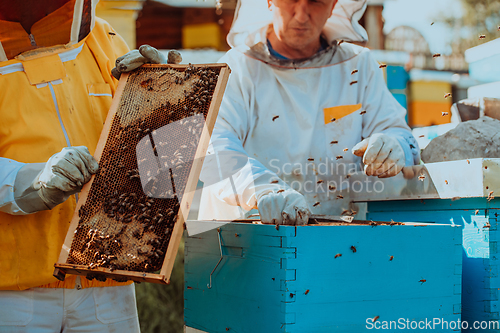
[(286, 207), (63, 175), (145, 55), (382, 155)]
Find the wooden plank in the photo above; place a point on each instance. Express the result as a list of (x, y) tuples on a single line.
[(117, 275)]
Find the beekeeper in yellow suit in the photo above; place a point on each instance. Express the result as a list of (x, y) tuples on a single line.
[(304, 107), (55, 91)]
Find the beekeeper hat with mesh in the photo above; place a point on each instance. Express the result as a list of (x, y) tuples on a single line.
[(252, 15)]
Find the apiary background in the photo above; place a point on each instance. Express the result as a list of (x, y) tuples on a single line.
[(320, 278), (129, 219)]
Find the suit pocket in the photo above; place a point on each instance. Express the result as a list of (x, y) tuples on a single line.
[(16, 307), (335, 113), (100, 98), (114, 304), (343, 127)]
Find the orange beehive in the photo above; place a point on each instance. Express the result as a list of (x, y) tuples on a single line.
[(129, 220)]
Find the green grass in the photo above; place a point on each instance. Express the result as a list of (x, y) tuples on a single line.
[(161, 307)]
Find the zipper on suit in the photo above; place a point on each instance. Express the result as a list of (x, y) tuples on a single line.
[(53, 93), (68, 143)]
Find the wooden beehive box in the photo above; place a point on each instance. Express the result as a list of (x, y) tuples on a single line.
[(130, 217), (463, 193), (321, 278)]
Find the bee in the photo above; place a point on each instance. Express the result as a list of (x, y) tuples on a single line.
[(447, 95), (340, 157), (436, 55), (307, 292), (490, 196), (482, 36), (354, 71), (363, 112), (340, 197), (382, 66), (337, 255), (332, 120), (444, 113), (487, 225), (275, 181), (391, 257), (468, 162), (319, 181), (316, 204), (353, 249), (421, 177), (331, 187), (375, 319), (373, 224), (275, 117), (334, 142), (422, 281), (432, 23), (310, 159), (353, 82), (346, 149), (111, 33), (421, 136)]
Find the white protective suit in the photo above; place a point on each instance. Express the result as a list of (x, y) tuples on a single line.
[(298, 120)]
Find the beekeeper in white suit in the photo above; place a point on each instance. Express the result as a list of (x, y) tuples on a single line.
[(305, 109)]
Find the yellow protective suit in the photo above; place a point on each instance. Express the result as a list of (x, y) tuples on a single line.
[(50, 98)]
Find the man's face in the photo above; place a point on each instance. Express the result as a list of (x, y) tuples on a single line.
[(298, 23)]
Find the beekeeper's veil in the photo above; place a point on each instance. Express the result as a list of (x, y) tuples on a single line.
[(252, 15), (59, 29)]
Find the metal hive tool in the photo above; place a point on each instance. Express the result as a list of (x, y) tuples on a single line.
[(129, 220)]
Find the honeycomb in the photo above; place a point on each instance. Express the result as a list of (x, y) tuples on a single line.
[(127, 219)]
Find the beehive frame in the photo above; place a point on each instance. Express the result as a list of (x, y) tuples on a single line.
[(117, 231)]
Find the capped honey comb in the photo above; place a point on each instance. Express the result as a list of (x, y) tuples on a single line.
[(130, 216)]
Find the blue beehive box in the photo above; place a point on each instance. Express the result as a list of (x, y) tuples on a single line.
[(322, 277), (460, 193)]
